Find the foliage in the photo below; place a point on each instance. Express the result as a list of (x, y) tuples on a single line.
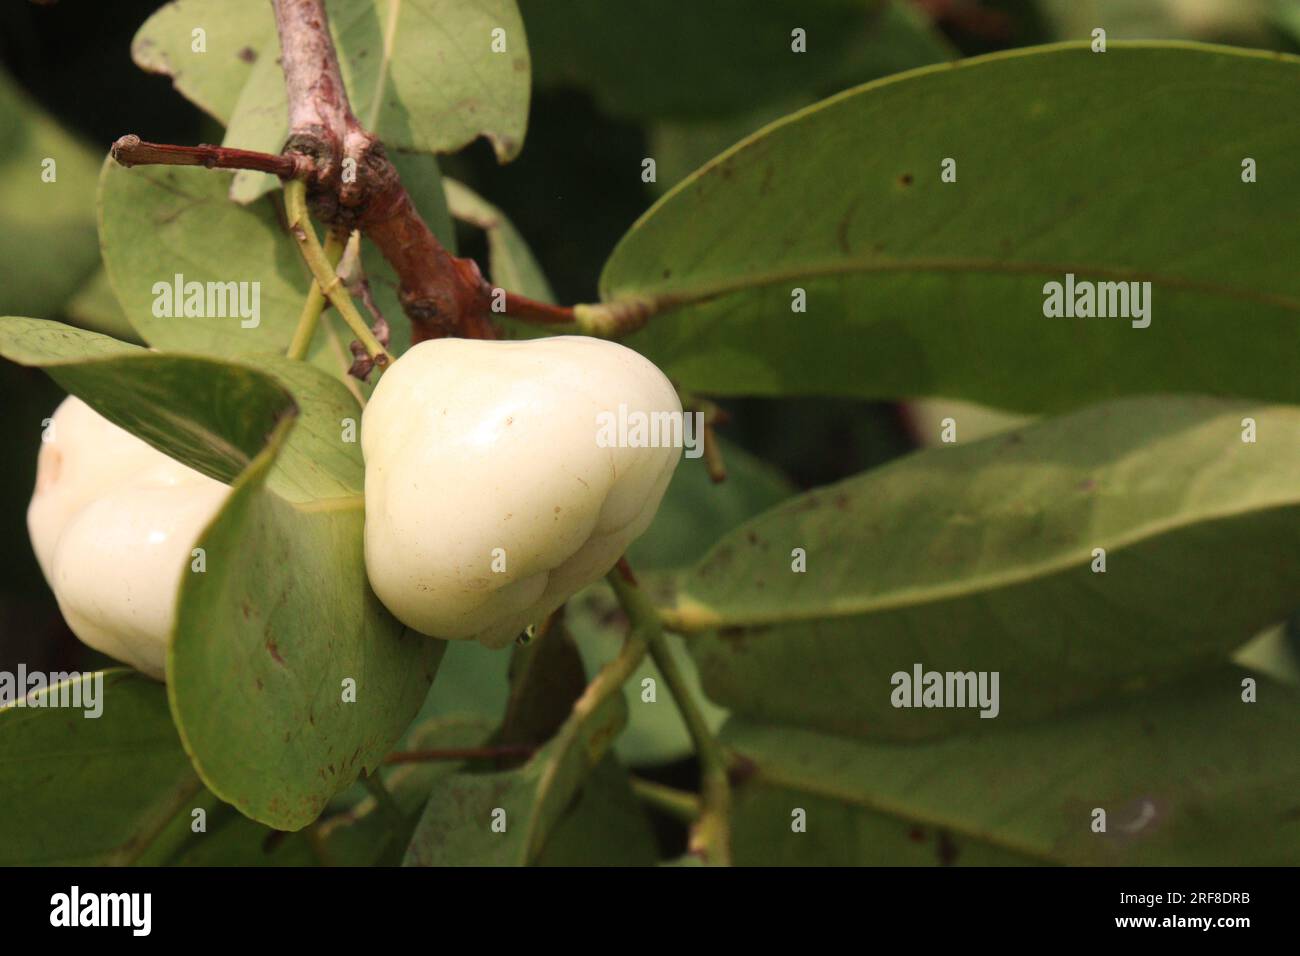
[(1117, 686)]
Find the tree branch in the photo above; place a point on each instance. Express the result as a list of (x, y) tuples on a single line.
[(131, 150), (351, 184), (442, 295)]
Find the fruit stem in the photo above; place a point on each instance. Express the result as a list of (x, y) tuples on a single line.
[(384, 801), (300, 227), (678, 804), (711, 834), (315, 304)]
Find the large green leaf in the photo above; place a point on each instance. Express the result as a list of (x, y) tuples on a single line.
[(979, 557), (286, 591), (236, 35), (47, 241), (898, 39), (930, 288), (684, 58), (420, 74), (696, 511), (214, 418), (78, 790), (1187, 775), (283, 614)]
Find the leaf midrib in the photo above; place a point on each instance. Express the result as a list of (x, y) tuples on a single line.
[(693, 615), (847, 795), (865, 265)]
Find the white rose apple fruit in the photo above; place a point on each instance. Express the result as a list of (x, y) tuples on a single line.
[(490, 497), (113, 521)]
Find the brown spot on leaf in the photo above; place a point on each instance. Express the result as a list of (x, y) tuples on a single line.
[(275, 652), (946, 849), (248, 55), (905, 179), (842, 230)]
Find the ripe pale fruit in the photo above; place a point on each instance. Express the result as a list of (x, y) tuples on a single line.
[(489, 497), (112, 522)]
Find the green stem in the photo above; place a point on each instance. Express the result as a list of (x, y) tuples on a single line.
[(315, 304), (300, 227), (711, 835), (387, 805), (678, 804)]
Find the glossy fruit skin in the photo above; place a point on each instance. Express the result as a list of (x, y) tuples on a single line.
[(112, 521), (484, 452)]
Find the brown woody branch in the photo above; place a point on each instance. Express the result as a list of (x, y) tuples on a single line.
[(442, 295), (131, 150)]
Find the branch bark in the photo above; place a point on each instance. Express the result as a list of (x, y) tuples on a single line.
[(352, 185), (441, 294)]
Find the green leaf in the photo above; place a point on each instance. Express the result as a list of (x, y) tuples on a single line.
[(77, 790), (228, 839), (47, 238), (1275, 652), (472, 679), (599, 824), (457, 824), (546, 679), (362, 836), (236, 35), (511, 264), (215, 418), (919, 287), (283, 614), (605, 826), (1188, 775), (980, 557), (420, 74), (270, 637), (683, 58), (695, 511)]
